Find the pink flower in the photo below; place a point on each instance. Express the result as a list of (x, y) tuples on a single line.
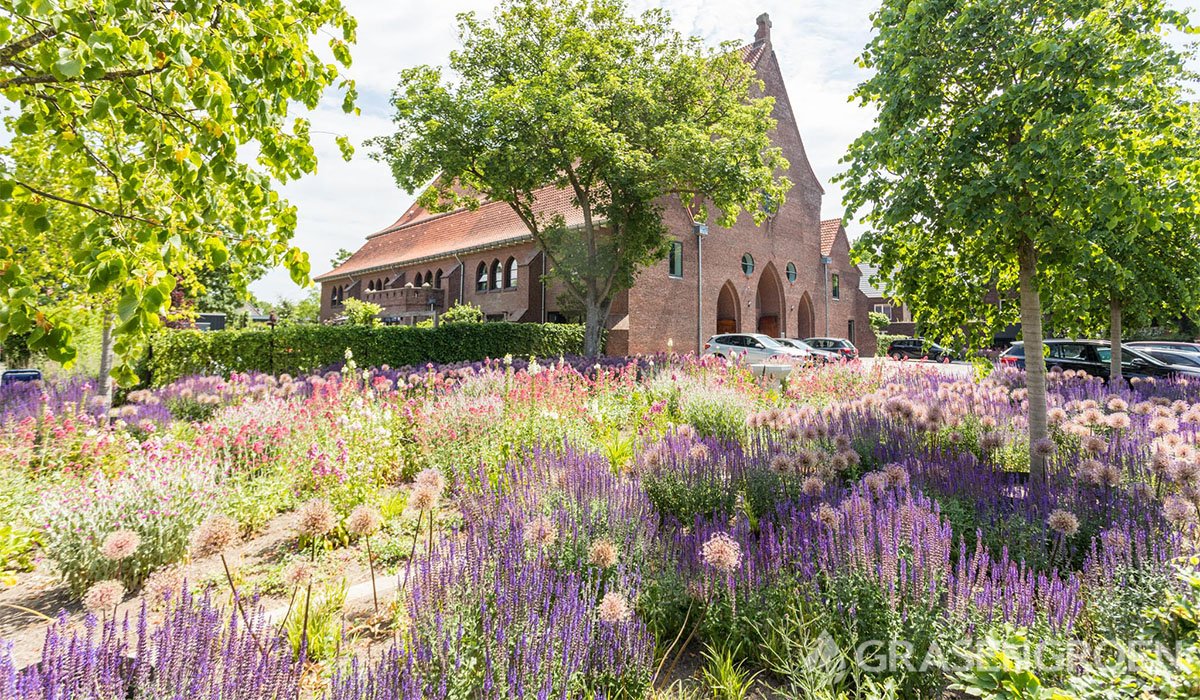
[(722, 553), (614, 608), (103, 595), (120, 545)]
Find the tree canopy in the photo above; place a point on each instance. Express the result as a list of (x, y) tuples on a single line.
[(621, 112), (997, 120), (147, 139)]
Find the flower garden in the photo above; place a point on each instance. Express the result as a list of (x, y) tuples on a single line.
[(628, 528)]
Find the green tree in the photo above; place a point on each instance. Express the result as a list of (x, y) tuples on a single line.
[(1144, 256), (620, 112), (341, 256), (980, 167), (879, 321), (146, 117)]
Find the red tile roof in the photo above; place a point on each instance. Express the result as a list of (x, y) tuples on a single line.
[(753, 53), (421, 235), (829, 232)]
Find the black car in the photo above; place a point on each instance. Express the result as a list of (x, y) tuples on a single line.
[(1093, 357), (919, 349)]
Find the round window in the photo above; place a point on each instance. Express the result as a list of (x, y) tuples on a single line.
[(791, 272), (748, 264)]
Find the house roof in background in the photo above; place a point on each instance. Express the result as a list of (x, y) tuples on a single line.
[(420, 235), (829, 232)]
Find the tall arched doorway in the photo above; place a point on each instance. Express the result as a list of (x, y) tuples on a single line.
[(806, 318), (727, 310), (768, 300)]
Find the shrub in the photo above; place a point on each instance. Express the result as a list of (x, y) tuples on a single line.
[(362, 313), (161, 504), (305, 348)]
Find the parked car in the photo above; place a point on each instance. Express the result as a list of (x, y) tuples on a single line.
[(18, 376), (816, 353), (1173, 345), (1172, 357), (844, 348), (1093, 357), (753, 347), (919, 349)]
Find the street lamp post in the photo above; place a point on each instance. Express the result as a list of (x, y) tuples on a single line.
[(271, 321)]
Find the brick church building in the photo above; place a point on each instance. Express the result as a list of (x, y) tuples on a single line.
[(791, 276)]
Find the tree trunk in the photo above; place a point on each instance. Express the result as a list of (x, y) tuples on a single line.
[(104, 388), (1114, 314), (595, 319), (1035, 359)]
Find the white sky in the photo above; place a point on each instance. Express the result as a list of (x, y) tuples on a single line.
[(816, 41)]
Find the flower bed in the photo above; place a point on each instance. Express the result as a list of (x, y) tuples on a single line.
[(603, 521)]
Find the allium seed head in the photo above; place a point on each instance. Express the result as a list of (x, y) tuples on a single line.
[(423, 498), (1178, 511), (614, 608), (603, 554), (432, 478), (120, 545), (103, 596), (163, 585), (316, 518), (722, 552), (363, 520), (1044, 447), (812, 486), (299, 573), (1063, 522), (540, 532), (215, 535)]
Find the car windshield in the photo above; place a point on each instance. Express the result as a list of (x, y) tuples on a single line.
[(767, 342), (1016, 351)]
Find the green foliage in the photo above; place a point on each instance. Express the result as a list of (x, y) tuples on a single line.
[(307, 348), (16, 550), (130, 126), (1162, 653), (879, 322), (323, 637), (626, 111), (463, 313), (362, 313), (725, 676), (674, 494)]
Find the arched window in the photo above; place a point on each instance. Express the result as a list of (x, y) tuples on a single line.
[(437, 279), (748, 264), (791, 272), (481, 278), (429, 277), (386, 282), (371, 286), (497, 275), (510, 273)]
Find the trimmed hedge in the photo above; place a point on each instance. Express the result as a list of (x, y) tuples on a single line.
[(304, 348)]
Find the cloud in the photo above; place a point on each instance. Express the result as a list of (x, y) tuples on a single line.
[(344, 202)]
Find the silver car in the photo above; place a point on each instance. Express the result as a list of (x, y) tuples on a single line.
[(821, 356), (752, 347)]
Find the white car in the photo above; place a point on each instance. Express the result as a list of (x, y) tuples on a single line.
[(752, 347)]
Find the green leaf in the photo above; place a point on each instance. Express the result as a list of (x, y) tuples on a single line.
[(69, 67)]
